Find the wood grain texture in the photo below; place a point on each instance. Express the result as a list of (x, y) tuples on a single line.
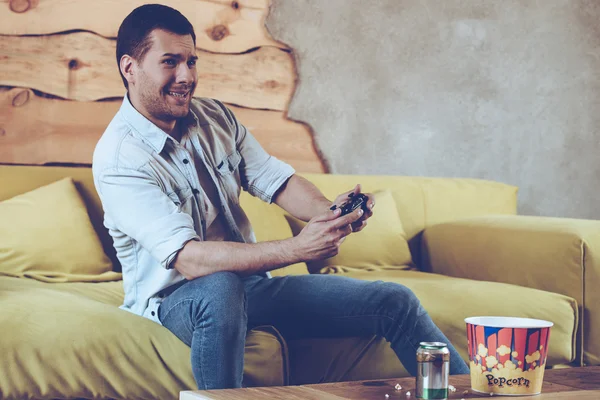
[(579, 395), (587, 378), (278, 393), (223, 26), (37, 130), (572, 381), (82, 66)]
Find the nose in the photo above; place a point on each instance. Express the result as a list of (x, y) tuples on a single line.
[(185, 74)]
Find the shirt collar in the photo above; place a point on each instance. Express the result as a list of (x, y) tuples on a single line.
[(147, 131)]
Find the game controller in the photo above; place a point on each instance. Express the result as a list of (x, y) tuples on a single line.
[(354, 201)]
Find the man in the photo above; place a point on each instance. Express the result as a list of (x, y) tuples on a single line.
[(169, 170)]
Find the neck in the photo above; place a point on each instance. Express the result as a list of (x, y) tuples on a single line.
[(177, 131), (169, 127)]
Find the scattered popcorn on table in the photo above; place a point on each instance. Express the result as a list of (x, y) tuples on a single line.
[(398, 387), (451, 388), (491, 394), (466, 392), (387, 396), (407, 394)]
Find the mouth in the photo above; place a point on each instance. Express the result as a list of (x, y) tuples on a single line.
[(179, 95)]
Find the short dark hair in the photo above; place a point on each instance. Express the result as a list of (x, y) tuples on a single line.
[(134, 33)]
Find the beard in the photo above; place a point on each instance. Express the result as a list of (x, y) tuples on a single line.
[(164, 106)]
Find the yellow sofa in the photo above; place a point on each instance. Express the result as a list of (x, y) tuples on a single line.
[(456, 243)]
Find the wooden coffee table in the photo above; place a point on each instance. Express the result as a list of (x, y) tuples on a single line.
[(569, 383)]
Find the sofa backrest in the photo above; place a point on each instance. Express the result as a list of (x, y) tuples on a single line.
[(421, 202)]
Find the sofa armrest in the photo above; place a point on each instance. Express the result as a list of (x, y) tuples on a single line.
[(554, 254)]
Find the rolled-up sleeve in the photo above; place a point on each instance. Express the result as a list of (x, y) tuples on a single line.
[(262, 174), (138, 208)]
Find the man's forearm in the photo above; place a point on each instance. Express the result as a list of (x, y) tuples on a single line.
[(302, 199), (204, 258)]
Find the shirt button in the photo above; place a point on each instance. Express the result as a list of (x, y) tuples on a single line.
[(195, 191), (153, 313), (185, 161)]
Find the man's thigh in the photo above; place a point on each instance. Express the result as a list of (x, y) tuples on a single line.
[(218, 299), (322, 305)]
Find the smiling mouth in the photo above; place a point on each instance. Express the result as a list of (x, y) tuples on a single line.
[(179, 95)]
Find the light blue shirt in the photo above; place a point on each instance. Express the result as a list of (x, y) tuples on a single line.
[(152, 198)]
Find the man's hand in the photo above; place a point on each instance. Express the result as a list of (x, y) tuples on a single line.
[(323, 235), (360, 224)]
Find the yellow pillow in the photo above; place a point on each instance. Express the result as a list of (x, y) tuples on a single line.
[(46, 235), (268, 223), (379, 246)]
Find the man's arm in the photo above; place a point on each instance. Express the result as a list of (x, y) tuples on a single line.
[(204, 258), (274, 181), (264, 176), (301, 198), (140, 210), (319, 239)]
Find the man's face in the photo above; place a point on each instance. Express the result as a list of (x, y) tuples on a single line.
[(166, 78)]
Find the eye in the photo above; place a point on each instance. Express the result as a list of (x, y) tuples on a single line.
[(192, 63), (170, 62)]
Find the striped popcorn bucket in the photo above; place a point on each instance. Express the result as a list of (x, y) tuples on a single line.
[(507, 355)]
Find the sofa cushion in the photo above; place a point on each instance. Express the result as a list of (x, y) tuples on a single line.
[(63, 341), (380, 245), (46, 234), (448, 301)]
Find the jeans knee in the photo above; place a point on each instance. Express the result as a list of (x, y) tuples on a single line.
[(222, 300), (223, 282), (400, 299)]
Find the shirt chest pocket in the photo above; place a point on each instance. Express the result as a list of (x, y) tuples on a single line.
[(228, 172)]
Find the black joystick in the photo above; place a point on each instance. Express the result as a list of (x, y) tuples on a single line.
[(354, 201)]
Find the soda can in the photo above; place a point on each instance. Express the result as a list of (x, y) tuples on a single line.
[(433, 367)]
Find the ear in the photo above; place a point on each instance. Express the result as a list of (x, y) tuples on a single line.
[(127, 66)]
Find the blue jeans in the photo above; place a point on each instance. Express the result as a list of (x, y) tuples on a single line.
[(212, 314)]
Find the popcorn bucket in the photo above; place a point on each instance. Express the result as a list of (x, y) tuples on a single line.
[(507, 355)]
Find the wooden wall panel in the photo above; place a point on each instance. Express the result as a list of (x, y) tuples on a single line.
[(221, 26), (57, 61), (37, 130), (82, 66)]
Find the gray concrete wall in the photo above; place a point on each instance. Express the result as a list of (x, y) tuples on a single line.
[(507, 90)]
